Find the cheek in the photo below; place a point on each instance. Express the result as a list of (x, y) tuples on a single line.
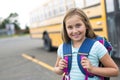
[(68, 32), (83, 29)]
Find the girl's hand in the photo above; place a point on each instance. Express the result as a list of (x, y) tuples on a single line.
[(86, 64), (62, 64)]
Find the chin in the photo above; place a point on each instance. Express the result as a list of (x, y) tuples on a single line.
[(76, 39)]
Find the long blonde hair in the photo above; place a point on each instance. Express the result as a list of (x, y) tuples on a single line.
[(76, 11)]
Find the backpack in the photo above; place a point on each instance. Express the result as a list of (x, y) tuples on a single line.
[(83, 51)]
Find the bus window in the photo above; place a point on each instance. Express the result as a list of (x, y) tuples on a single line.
[(91, 2), (110, 5), (70, 4), (50, 10), (79, 3), (62, 7)]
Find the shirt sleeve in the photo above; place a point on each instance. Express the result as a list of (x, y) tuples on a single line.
[(100, 49), (60, 51)]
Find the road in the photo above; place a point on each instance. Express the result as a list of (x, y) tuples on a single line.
[(15, 66)]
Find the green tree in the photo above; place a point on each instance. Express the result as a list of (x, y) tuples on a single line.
[(13, 15), (4, 22), (11, 19), (15, 21)]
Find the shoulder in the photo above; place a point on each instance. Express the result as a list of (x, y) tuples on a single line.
[(99, 49), (98, 45), (60, 50)]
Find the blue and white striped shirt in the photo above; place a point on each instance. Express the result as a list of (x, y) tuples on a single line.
[(96, 53)]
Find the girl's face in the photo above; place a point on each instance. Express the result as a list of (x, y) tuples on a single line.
[(75, 27)]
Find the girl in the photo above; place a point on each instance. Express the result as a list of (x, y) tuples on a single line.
[(76, 28)]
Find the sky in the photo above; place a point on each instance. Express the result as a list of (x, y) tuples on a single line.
[(22, 7)]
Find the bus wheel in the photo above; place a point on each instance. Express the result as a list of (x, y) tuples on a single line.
[(47, 43)]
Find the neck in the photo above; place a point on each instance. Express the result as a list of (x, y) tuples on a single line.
[(77, 44)]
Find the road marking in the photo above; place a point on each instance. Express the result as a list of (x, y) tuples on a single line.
[(38, 62)]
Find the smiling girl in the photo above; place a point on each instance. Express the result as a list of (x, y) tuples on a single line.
[(77, 28)]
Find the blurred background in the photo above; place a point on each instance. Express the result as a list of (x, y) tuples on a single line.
[(15, 15), (30, 33)]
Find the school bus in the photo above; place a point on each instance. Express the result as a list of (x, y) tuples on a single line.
[(46, 20)]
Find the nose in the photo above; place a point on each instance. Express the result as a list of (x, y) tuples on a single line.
[(74, 29)]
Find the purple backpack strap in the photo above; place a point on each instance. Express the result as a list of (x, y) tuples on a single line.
[(66, 69), (66, 75)]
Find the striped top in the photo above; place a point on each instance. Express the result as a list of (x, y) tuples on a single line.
[(97, 52)]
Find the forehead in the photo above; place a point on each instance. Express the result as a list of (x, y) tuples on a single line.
[(73, 18)]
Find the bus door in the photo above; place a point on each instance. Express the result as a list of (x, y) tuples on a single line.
[(113, 24)]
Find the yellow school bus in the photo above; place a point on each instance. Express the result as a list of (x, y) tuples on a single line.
[(46, 20)]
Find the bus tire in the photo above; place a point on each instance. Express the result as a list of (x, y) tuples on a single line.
[(47, 43)]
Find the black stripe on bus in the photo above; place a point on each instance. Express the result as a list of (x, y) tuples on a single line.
[(93, 17), (48, 32), (54, 32), (98, 29), (91, 6), (51, 24)]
